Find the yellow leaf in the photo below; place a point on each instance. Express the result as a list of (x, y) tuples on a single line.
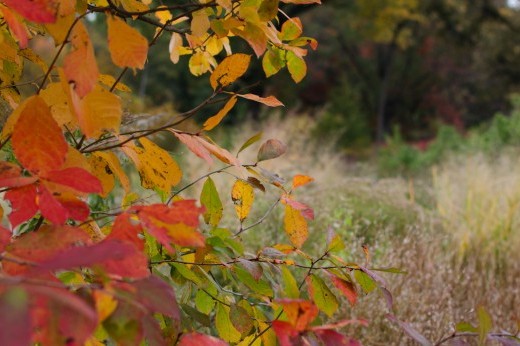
[(174, 47), (57, 100), (243, 196), (115, 167), (58, 30), (7, 130), (295, 226), (156, 167), (212, 122), (229, 70), (164, 15), (132, 5), (128, 48), (100, 111), (105, 304), (109, 80), (199, 64), (199, 23), (101, 170), (227, 4)]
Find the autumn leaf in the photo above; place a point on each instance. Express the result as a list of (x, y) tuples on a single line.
[(271, 149), (229, 70), (11, 176), (210, 199), (38, 11), (16, 26), (270, 101), (306, 211), (156, 167), (321, 295), (347, 288), (100, 111), (196, 339), (295, 226), (128, 48), (297, 67), (39, 151), (80, 64), (300, 313), (213, 121), (291, 29), (301, 180), (243, 196), (194, 146)]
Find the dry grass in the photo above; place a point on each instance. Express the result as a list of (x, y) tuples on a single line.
[(449, 245)]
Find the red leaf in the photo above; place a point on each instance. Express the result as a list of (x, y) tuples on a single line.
[(42, 245), (14, 317), (23, 203), (347, 288), (50, 207), (126, 229), (76, 178), (157, 296), (331, 337), (78, 210), (17, 27), (196, 339), (43, 150), (286, 333), (306, 211), (72, 318), (38, 11), (5, 238)]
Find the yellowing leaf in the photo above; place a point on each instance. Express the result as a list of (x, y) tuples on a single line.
[(109, 80), (57, 100), (291, 29), (105, 304), (243, 196), (115, 168), (297, 67), (225, 328), (101, 170), (199, 23), (322, 296), (295, 226), (133, 5), (268, 9), (175, 44), (270, 101), (227, 4), (210, 199), (100, 111), (213, 121), (128, 48), (255, 36), (229, 70), (58, 29), (156, 167)]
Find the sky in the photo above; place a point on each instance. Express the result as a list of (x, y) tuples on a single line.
[(514, 3)]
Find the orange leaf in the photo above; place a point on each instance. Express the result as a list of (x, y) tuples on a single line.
[(128, 48), (11, 176), (100, 111), (300, 180), (295, 226), (213, 121), (255, 36), (23, 204), (300, 313), (16, 26), (194, 145), (43, 150), (80, 65), (347, 288), (229, 70), (221, 154), (306, 211), (270, 101)]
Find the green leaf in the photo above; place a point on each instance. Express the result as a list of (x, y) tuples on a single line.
[(195, 315), (365, 281), (290, 286), (210, 199), (204, 302), (225, 328), (261, 287), (291, 29), (484, 324), (250, 141), (187, 273), (297, 67), (322, 296), (273, 61), (465, 327)]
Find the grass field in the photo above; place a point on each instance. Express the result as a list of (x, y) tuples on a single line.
[(453, 229)]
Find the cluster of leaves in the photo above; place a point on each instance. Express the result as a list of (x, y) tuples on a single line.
[(77, 271)]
